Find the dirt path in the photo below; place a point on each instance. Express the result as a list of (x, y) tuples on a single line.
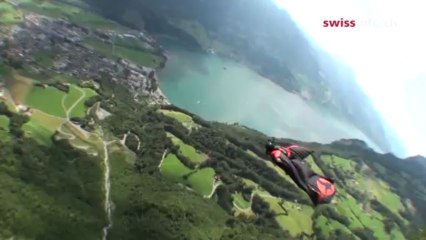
[(83, 95), (107, 186), (66, 135), (241, 209), (72, 136), (90, 108), (63, 105), (266, 195), (215, 186), (107, 179), (139, 142), (246, 209), (113, 141), (162, 158), (123, 141)]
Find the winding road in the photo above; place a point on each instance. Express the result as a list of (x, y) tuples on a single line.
[(123, 141), (162, 158), (107, 180), (67, 112), (70, 136), (245, 209), (215, 186), (107, 186)]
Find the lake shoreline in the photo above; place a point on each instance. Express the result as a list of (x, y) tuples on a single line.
[(164, 37), (241, 95)]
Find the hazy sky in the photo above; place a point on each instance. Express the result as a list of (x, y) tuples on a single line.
[(387, 50)]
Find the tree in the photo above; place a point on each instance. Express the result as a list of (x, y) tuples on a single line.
[(224, 198), (4, 110), (260, 206), (364, 233)]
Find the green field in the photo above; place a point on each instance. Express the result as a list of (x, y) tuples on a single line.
[(299, 218), (375, 223), (340, 163), (240, 201), (250, 183), (344, 164), (18, 86), (202, 181), (4, 123), (173, 168), (137, 56), (329, 225), (80, 109), (50, 122), (374, 188), (80, 144), (9, 14), (73, 96), (187, 150), (52, 101), (313, 165), (396, 234), (129, 42), (189, 214), (383, 193), (38, 131), (347, 206), (47, 100), (91, 20), (48, 8), (73, 14), (184, 119)]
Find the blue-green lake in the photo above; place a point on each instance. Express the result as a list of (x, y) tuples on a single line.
[(223, 90)]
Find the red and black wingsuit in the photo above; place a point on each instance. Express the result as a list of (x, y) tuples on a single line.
[(291, 159)]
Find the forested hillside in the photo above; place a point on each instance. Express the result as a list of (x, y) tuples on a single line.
[(86, 153)]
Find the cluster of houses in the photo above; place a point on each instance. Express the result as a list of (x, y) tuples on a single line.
[(22, 109), (25, 110), (2, 92)]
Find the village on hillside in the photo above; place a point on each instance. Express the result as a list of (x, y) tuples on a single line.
[(61, 46)]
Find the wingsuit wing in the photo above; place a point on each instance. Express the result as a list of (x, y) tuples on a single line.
[(295, 151)]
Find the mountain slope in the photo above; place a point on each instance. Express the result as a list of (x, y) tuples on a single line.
[(265, 38), (99, 153)]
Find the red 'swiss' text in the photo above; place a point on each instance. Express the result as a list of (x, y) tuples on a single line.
[(339, 23)]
